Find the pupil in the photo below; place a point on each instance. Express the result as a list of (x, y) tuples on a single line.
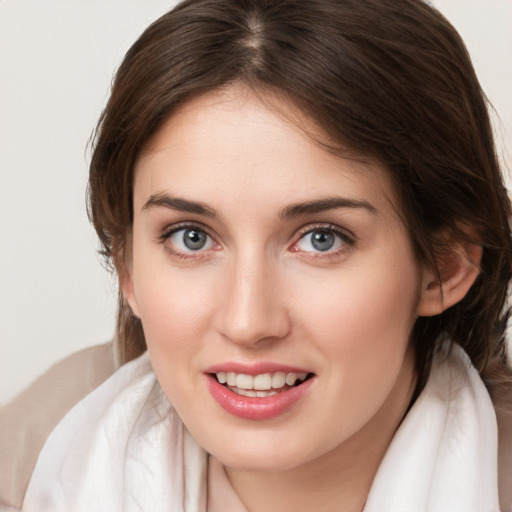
[(322, 240), (194, 240)]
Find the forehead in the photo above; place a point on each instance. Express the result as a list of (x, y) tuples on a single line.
[(235, 141)]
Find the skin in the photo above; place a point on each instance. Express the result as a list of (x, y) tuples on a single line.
[(260, 291)]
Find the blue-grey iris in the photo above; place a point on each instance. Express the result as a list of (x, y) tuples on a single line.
[(322, 240), (194, 240)]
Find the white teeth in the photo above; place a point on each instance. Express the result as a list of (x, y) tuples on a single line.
[(252, 393), (263, 382), (246, 392), (290, 379), (244, 381), (278, 380)]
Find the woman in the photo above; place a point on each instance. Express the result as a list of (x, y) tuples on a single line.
[(312, 238)]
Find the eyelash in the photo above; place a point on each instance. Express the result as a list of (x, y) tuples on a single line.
[(348, 240), (171, 230)]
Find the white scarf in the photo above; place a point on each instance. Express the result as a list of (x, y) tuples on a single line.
[(124, 449)]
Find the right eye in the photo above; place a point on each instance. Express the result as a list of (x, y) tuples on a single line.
[(187, 240)]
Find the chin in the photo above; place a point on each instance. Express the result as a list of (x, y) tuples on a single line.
[(258, 455), (272, 463)]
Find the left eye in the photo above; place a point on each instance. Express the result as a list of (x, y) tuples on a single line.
[(190, 240), (320, 240)]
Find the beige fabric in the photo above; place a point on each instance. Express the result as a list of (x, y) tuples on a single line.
[(503, 406), (26, 422)]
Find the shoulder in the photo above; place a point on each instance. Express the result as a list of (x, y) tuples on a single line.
[(123, 447), (502, 400), (27, 421)]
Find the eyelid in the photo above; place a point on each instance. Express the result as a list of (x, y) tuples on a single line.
[(187, 256), (345, 233), (168, 231), (347, 236), (348, 240)]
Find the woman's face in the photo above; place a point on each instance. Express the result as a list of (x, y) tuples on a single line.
[(261, 259)]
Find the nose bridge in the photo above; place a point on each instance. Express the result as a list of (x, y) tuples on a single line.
[(253, 309)]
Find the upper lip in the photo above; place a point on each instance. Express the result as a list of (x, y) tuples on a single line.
[(255, 368)]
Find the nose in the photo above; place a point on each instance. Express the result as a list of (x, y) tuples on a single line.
[(253, 306)]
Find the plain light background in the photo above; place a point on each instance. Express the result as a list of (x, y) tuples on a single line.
[(57, 58)]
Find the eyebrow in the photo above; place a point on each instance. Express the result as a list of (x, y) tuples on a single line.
[(179, 204), (322, 205), (293, 210)]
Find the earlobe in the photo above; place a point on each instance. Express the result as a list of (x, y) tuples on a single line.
[(458, 269), (126, 284), (123, 265)]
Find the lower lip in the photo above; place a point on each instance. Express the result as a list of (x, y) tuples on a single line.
[(254, 408)]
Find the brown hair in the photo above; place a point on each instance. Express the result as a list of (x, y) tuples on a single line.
[(390, 79)]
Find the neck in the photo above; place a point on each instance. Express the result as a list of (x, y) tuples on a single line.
[(321, 486), (341, 476)]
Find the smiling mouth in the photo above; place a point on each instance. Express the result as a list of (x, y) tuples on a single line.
[(262, 385)]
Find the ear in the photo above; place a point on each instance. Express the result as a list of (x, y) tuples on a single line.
[(458, 268), (124, 267), (126, 285)]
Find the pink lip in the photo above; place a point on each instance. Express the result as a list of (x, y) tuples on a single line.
[(254, 369), (254, 408)]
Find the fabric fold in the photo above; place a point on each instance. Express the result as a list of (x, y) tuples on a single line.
[(124, 449), (443, 457), (119, 450)]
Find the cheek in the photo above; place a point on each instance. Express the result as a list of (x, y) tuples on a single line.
[(174, 315), (370, 299), (166, 295), (362, 329), (174, 307), (363, 319), (174, 322)]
